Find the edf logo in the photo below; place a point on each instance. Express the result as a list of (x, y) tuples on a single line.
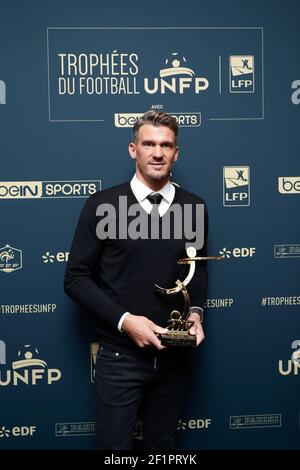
[(236, 186), (241, 74), (17, 431), (238, 252)]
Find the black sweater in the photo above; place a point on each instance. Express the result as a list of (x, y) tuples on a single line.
[(109, 277)]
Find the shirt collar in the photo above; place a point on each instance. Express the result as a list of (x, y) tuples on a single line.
[(141, 191)]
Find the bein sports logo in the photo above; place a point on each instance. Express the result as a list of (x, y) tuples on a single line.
[(184, 119), (236, 186), (48, 189), (289, 184), (10, 259), (179, 78), (241, 74)]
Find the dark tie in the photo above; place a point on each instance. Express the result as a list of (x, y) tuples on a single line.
[(155, 199)]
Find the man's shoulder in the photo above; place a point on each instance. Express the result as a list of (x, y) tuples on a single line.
[(109, 194), (188, 197)]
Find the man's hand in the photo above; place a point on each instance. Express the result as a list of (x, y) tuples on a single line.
[(196, 329), (143, 331)]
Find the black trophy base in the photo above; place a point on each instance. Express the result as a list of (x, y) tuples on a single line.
[(178, 338)]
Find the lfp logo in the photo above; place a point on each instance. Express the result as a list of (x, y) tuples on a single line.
[(241, 74), (236, 186)]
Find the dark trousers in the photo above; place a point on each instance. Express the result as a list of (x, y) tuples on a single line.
[(124, 381)]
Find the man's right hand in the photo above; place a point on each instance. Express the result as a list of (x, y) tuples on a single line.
[(143, 331)]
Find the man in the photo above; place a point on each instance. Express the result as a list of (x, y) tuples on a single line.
[(112, 276)]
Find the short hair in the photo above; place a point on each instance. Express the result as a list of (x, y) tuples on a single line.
[(155, 118)]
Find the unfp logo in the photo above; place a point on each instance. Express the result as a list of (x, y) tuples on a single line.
[(29, 369), (176, 77), (241, 74), (10, 259), (236, 186)]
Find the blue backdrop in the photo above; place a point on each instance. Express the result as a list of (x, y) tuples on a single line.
[(73, 78)]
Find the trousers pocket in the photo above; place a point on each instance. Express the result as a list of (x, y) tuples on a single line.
[(106, 353)]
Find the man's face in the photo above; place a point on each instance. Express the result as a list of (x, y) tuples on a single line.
[(154, 153)]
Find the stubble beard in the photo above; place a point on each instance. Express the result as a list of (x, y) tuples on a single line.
[(157, 176)]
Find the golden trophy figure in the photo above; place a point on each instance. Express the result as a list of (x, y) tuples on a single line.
[(179, 325)]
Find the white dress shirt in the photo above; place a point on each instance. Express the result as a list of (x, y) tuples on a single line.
[(141, 191)]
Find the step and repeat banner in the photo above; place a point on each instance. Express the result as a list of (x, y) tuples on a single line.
[(73, 79)]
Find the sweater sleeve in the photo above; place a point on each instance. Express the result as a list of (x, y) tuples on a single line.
[(80, 282)]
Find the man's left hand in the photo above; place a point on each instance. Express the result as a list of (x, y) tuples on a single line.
[(196, 329)]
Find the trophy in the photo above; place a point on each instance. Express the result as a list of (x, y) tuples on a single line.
[(179, 325)]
